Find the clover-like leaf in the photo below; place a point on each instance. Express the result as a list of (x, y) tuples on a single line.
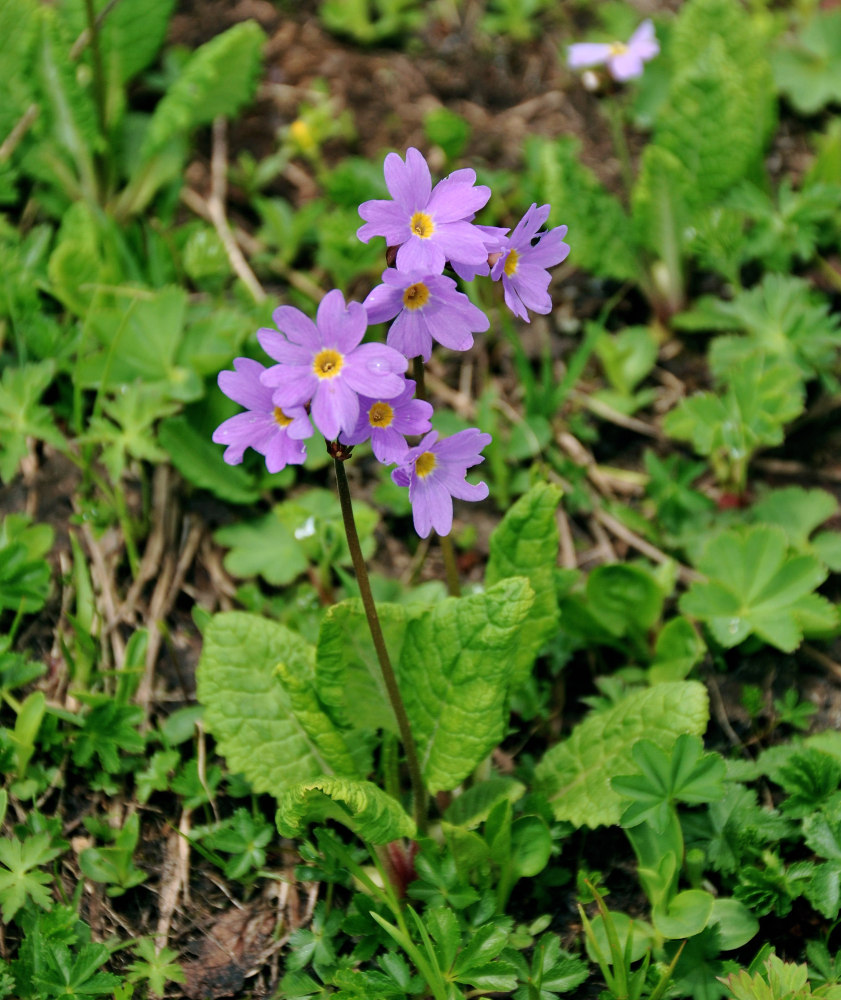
[(799, 512), (755, 587), (360, 805), (684, 773), (807, 71), (576, 775), (455, 671)]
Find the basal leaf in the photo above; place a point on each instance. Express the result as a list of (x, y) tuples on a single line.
[(455, 671), (525, 543), (755, 587), (349, 678), (298, 678), (247, 708), (219, 79), (575, 775), (360, 805)]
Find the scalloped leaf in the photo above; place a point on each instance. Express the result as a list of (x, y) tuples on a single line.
[(350, 681), (361, 806), (455, 670), (575, 775), (525, 543), (247, 708)]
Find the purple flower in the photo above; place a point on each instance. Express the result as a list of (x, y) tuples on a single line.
[(325, 364), (428, 307), (624, 62), (494, 237), (435, 472), (275, 433), (522, 266), (386, 421), (428, 224)]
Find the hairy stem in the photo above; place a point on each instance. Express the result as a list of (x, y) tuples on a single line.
[(408, 740)]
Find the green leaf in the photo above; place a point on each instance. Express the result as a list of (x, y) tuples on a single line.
[(798, 512), (23, 878), (686, 914), (525, 543), (681, 773), (807, 70), (297, 675), (755, 587), (455, 670), (21, 415), (735, 923), (247, 708), (575, 775), (281, 545), (677, 650), (369, 812), (348, 674), (200, 462), (473, 805), (219, 78)]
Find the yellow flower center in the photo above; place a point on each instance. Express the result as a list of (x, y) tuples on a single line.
[(380, 415), (422, 225), (327, 363), (511, 262), (425, 463), (280, 417), (618, 49), (416, 296)]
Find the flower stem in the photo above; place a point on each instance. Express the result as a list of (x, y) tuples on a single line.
[(408, 740)]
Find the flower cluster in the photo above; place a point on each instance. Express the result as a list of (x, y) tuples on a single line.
[(324, 375)]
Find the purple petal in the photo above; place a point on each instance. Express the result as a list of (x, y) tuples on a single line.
[(402, 476), (383, 302), (644, 41), (335, 408), (383, 218), (464, 447), (341, 326), (432, 506), (375, 370), (453, 200), (389, 445), (585, 54), (422, 254), (243, 385), (410, 183), (297, 326), (282, 350), (626, 66), (292, 386), (461, 241), (409, 335), (469, 491), (283, 451)]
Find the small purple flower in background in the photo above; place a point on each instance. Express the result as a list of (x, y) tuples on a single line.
[(428, 224), (623, 61), (522, 267), (325, 364), (435, 472), (428, 307), (387, 421), (275, 433)]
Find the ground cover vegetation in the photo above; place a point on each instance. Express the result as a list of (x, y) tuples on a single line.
[(419, 520)]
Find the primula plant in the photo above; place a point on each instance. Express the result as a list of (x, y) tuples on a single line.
[(353, 391)]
